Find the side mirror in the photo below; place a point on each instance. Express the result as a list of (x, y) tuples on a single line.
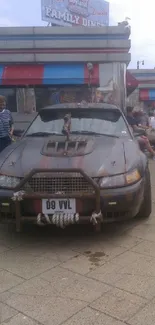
[(18, 133)]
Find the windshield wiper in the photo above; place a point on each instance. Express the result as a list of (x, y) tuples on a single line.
[(45, 134), (42, 134), (110, 135), (94, 133)]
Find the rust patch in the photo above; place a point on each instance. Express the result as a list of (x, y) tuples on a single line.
[(45, 162), (103, 173), (4, 173)]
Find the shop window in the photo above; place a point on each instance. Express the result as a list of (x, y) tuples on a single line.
[(58, 95)]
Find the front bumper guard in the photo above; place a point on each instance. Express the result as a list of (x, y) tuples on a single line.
[(63, 220), (60, 220)]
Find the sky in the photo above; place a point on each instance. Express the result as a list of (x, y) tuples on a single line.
[(28, 13)]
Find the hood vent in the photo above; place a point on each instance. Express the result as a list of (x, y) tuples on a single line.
[(74, 147)]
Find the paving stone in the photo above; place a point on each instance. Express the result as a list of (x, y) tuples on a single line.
[(47, 250), (26, 266), (9, 238), (32, 237), (146, 248), (136, 264), (108, 273), (8, 280), (141, 285), (119, 304), (125, 241), (145, 316), (46, 310), (85, 289), (144, 231), (143, 266), (150, 220), (6, 312), (20, 320), (113, 274), (81, 264), (61, 283), (34, 287), (99, 250), (89, 316), (5, 296), (129, 257)]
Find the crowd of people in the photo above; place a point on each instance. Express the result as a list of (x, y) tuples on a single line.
[(139, 120)]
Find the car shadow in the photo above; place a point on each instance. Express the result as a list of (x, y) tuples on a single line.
[(50, 234)]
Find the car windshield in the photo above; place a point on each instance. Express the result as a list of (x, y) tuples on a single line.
[(91, 121)]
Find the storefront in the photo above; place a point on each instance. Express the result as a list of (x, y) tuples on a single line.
[(36, 86), (146, 87)]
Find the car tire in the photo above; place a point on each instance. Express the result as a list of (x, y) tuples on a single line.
[(146, 206)]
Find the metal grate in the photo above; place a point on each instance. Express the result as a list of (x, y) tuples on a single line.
[(58, 183)]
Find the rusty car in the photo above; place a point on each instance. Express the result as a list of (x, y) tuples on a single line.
[(75, 163)]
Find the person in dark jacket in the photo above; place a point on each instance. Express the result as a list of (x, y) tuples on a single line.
[(6, 125), (142, 118), (143, 140)]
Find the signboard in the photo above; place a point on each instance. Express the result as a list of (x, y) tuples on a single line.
[(86, 13)]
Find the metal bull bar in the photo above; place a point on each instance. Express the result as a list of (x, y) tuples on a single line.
[(20, 194)]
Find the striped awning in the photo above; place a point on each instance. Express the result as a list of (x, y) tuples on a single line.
[(147, 94), (47, 74), (58, 74)]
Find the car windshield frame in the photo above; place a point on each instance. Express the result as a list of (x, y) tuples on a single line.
[(45, 116)]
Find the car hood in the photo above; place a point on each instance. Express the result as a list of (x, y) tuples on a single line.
[(98, 156)]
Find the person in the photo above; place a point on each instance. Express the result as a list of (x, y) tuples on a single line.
[(137, 116), (143, 119), (152, 120), (6, 125), (143, 140)]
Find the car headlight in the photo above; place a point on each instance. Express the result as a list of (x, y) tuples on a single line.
[(9, 181), (120, 180)]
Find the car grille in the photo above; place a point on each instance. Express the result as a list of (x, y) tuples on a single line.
[(59, 184)]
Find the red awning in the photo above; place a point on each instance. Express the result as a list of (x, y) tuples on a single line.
[(131, 83), (144, 94)]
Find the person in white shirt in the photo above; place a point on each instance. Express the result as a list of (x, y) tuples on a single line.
[(152, 121)]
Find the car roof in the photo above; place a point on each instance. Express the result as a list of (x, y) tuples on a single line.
[(81, 105)]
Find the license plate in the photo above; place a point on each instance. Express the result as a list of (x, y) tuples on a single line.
[(52, 206)]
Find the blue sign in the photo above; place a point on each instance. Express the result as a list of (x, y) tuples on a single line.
[(86, 13)]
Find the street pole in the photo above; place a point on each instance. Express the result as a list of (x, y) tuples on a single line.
[(138, 64)]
